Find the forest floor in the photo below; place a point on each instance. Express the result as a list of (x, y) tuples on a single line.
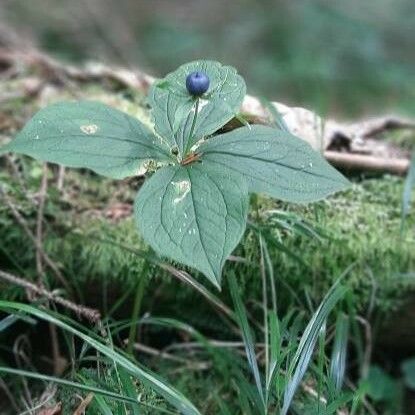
[(90, 237)]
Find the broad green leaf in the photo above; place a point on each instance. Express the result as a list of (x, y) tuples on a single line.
[(193, 214), (90, 135), (274, 162), (173, 108)]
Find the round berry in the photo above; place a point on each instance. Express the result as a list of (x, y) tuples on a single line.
[(197, 83)]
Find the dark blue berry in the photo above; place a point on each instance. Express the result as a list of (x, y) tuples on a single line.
[(197, 83)]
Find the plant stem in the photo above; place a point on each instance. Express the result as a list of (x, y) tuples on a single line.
[(132, 337), (192, 129)]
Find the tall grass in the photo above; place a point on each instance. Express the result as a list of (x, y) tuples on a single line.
[(173, 396)]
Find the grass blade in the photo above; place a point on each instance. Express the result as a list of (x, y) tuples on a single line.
[(272, 240), (174, 397), (302, 357), (68, 383), (293, 223), (129, 387), (98, 400), (320, 364), (338, 357), (8, 321), (277, 118), (271, 275), (275, 346), (246, 334)]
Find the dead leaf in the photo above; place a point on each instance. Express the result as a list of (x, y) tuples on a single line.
[(56, 410)]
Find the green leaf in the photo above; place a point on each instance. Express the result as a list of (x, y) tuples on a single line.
[(274, 162), (381, 386), (90, 135), (173, 107), (193, 214)]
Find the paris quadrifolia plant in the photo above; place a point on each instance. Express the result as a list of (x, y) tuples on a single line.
[(193, 205)]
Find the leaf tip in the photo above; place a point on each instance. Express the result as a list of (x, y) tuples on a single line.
[(215, 277)]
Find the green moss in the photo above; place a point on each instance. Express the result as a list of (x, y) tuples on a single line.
[(363, 227), (364, 231)]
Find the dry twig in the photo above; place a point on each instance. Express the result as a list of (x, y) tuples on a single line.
[(89, 313), (84, 404)]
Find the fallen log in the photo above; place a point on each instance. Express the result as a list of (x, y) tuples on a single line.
[(361, 162), (343, 144)]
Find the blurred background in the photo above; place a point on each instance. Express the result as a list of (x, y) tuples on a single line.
[(347, 58)]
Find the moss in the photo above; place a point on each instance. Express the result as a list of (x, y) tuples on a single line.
[(364, 231), (363, 227)]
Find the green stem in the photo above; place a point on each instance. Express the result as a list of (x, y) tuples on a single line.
[(132, 337), (192, 129)]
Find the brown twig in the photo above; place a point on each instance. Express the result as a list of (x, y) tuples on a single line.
[(367, 357), (158, 353), (84, 404), (89, 313), (164, 355)]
